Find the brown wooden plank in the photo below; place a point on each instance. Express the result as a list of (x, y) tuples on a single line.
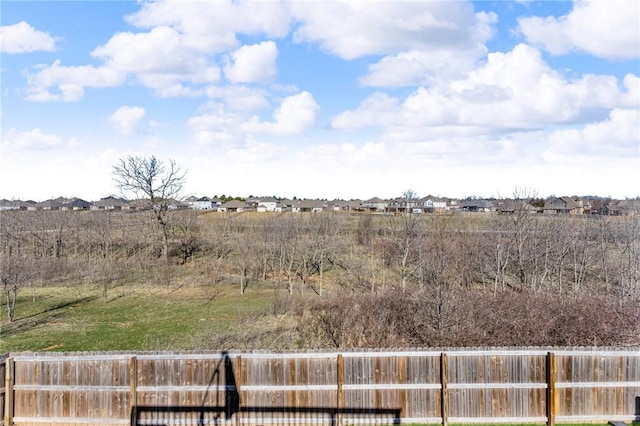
[(9, 394), (444, 397), (340, 392)]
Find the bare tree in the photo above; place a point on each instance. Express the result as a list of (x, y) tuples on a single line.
[(403, 234), (16, 270), (155, 184)]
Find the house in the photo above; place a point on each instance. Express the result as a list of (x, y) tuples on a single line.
[(234, 206), (624, 207), (307, 206), (600, 207), (173, 204), (216, 202), (584, 204), (515, 207), (562, 205), (478, 205), (375, 204), (16, 204), (76, 204), (402, 205), (287, 204), (342, 205), (136, 205), (108, 203), (353, 205), (49, 205), (268, 204), (431, 204), (202, 203)]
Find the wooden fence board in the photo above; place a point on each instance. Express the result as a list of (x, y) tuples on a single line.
[(6, 393)]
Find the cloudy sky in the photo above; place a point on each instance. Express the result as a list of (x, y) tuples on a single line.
[(327, 99)]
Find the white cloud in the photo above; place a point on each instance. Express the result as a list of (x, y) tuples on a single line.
[(239, 98), (422, 41), (176, 56), (356, 29), (23, 38), (70, 81), (617, 136), (295, 115), (607, 29), (160, 59), (419, 67), (253, 64), (513, 90), (429, 65), (218, 125), (212, 26), (378, 109), (126, 119), (32, 140)]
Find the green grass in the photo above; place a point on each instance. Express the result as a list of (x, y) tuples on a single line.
[(513, 424), (147, 318)]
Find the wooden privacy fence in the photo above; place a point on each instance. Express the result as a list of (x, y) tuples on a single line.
[(419, 386)]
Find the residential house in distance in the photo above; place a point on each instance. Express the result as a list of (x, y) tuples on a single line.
[(287, 204), (624, 207), (475, 205), (52, 204), (76, 204), (515, 207), (345, 205), (108, 203), (202, 203), (375, 204), (308, 206), (431, 204), (562, 205), (177, 205), (235, 206), (17, 205), (402, 205), (268, 204)]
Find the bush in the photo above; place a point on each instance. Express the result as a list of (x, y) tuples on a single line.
[(428, 318)]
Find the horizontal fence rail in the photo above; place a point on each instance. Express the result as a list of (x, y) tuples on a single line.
[(322, 388)]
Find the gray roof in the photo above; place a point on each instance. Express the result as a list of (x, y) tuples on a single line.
[(235, 204), (310, 204), (479, 204)]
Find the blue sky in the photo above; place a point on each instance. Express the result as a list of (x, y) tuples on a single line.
[(326, 99)]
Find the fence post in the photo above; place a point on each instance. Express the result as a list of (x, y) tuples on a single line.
[(444, 397), (9, 381), (551, 388), (238, 375), (133, 395), (340, 392)]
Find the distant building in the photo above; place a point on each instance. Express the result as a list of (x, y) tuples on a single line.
[(478, 206)]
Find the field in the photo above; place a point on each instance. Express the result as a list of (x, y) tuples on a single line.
[(144, 318)]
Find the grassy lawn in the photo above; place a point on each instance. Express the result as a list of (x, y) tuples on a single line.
[(144, 318)]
